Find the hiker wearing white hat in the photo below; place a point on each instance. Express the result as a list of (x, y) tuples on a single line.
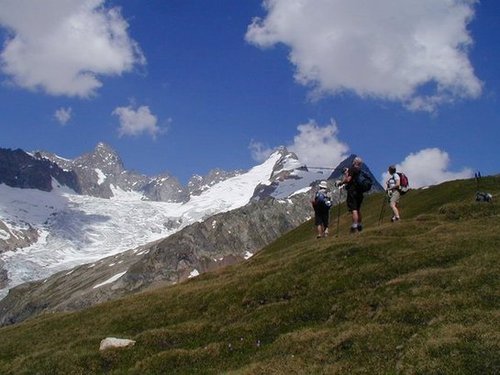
[(321, 204)]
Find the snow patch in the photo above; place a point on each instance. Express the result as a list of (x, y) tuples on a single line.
[(122, 195), (101, 177), (112, 279), (194, 273), (300, 191), (4, 235)]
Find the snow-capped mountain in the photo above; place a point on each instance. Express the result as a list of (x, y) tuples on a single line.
[(75, 228)]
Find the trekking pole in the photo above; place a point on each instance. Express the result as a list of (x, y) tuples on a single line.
[(381, 217), (338, 210)]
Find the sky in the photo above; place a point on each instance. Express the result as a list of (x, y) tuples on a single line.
[(186, 86)]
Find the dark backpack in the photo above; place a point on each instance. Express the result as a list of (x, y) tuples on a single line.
[(321, 201), (363, 182), (404, 185)]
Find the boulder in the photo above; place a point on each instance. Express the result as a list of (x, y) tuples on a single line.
[(113, 342)]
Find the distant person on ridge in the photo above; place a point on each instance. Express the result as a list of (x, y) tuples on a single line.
[(354, 194), (393, 194), (321, 204)]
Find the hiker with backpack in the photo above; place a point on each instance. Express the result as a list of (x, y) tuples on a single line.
[(357, 183), (321, 204), (393, 192)]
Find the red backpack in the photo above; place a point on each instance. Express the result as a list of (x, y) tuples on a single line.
[(403, 183)]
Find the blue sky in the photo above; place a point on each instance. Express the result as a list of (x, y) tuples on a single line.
[(185, 86)]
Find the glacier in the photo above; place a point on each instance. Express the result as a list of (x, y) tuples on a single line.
[(77, 229)]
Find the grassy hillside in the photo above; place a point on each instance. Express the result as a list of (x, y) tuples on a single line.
[(420, 296)]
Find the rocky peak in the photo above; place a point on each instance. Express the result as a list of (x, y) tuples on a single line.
[(286, 164), (165, 188), (102, 157)]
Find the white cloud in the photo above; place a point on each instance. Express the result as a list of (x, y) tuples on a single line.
[(63, 46), (319, 146), (413, 51), (315, 146), (259, 151), (63, 115), (429, 167), (135, 122)]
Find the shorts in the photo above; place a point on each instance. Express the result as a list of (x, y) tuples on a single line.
[(321, 218), (394, 196), (354, 200)]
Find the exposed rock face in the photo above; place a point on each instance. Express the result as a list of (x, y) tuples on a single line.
[(98, 170), (3, 275), (14, 239), (21, 170), (102, 170), (165, 188), (222, 239)]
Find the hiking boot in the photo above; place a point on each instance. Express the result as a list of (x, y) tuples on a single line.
[(360, 227), (394, 218), (354, 230)]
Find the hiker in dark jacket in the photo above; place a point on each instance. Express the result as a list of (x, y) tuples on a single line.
[(354, 195), (321, 204)]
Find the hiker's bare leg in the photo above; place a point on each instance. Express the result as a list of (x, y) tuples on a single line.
[(395, 210), (356, 216)]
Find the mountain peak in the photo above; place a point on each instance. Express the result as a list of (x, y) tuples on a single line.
[(103, 148)]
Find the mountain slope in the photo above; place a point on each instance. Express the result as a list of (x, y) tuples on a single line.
[(418, 297), (66, 229), (223, 239)]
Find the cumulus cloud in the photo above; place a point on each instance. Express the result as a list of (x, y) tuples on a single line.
[(63, 115), (412, 51), (315, 146), (137, 121), (259, 151), (318, 145), (63, 46), (429, 167)]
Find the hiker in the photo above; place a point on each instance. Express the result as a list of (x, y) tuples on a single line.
[(354, 194), (321, 204), (393, 192)]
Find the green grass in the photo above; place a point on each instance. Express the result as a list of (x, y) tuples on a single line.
[(420, 296)]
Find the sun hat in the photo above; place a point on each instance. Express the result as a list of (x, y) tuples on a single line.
[(323, 185)]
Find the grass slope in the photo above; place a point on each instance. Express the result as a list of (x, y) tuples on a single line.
[(420, 296)]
